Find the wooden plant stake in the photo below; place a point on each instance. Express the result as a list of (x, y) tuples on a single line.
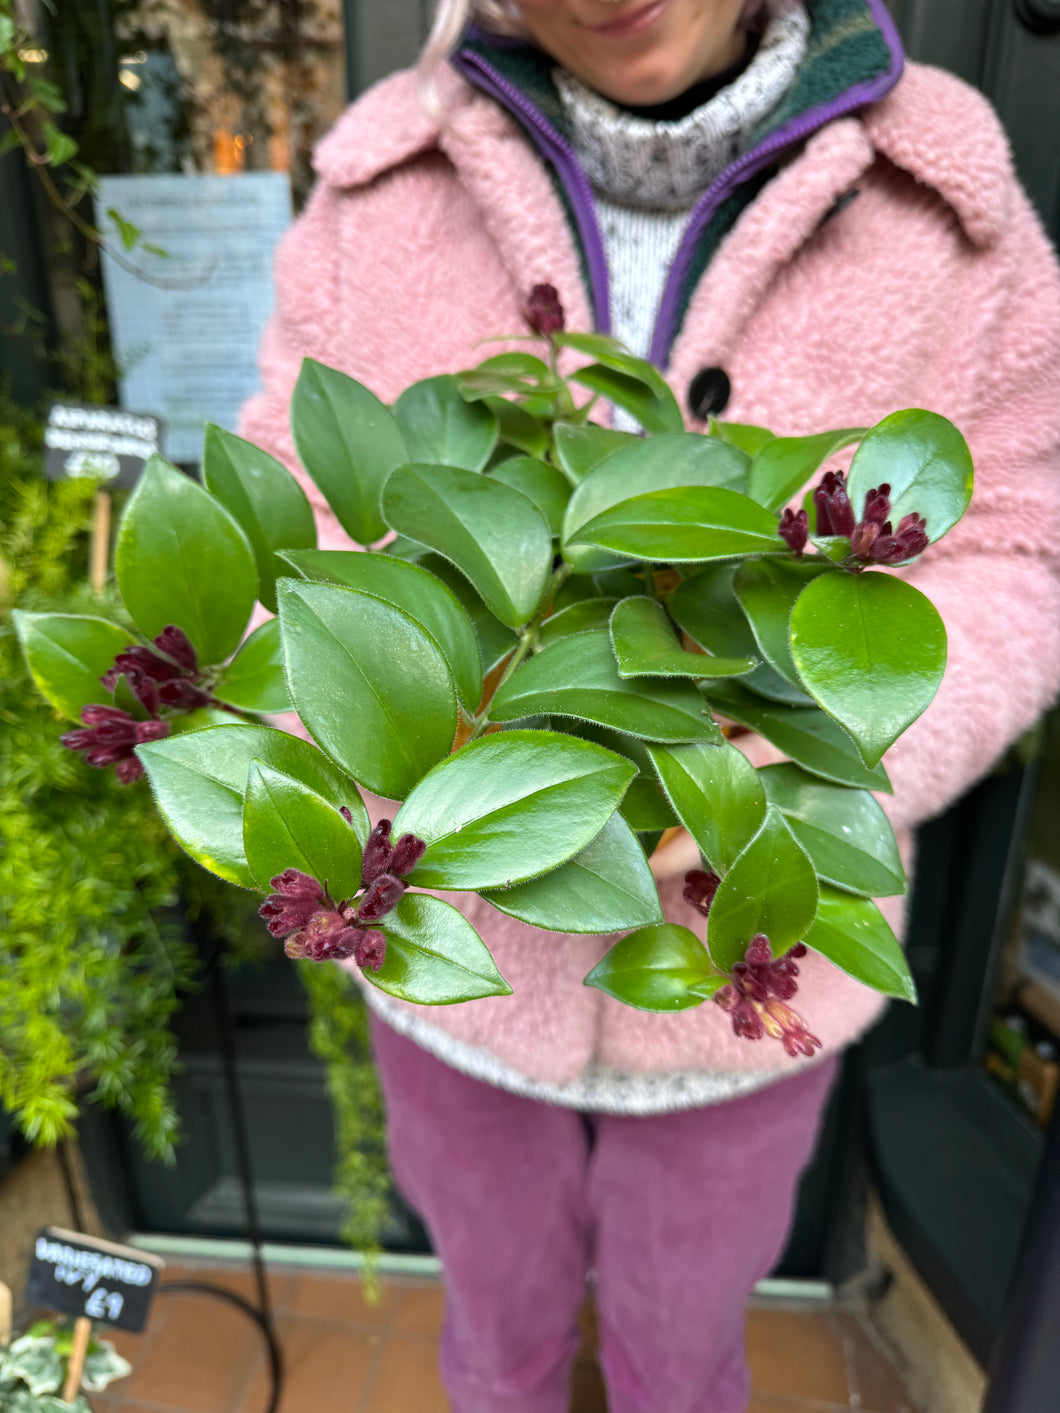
[(99, 554), (82, 1335), (5, 1315)]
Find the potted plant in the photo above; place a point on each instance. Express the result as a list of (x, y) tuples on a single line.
[(33, 1370)]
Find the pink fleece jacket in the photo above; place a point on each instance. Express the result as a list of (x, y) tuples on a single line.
[(937, 288)]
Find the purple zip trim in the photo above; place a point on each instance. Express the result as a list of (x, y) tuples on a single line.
[(751, 163), (566, 163)]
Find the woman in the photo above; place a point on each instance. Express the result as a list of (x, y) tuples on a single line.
[(803, 236)]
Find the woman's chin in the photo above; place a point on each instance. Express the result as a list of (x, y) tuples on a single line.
[(644, 84)]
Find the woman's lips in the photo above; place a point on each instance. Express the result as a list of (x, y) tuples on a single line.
[(636, 22)]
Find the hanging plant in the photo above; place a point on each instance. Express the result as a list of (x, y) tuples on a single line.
[(546, 667)]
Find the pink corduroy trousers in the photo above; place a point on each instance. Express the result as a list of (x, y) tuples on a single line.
[(677, 1214)]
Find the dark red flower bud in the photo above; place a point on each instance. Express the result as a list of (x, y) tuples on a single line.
[(97, 715), (151, 731), (759, 953), (700, 888), (798, 951), (111, 678), (147, 661), (912, 535), (129, 770), (544, 312), (407, 853), (99, 757), (292, 883), (294, 948), (877, 505), (835, 514), (327, 938), (347, 814), (183, 694), (174, 642), (747, 1022), (795, 528), (864, 538), (377, 853), (382, 897), (116, 733), (143, 688), (370, 953)]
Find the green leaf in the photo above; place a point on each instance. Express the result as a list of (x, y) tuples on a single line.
[(371, 685), (629, 382), (767, 590), (265, 500), (517, 427), (771, 888), (783, 466), (747, 438), (718, 797), (645, 808), (67, 655), (510, 807), (608, 887), (61, 148), (183, 559), (653, 969), (578, 677), (871, 650), (495, 642), (349, 443), (585, 616), (811, 739), (844, 831), (493, 534), (645, 646), (434, 956), (689, 525), (539, 482), (707, 608), (581, 449), (925, 461), (254, 679), (288, 825), (199, 780), (664, 462), (416, 591), (853, 934), (439, 427)]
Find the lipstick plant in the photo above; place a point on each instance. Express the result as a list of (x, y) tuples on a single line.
[(545, 655)]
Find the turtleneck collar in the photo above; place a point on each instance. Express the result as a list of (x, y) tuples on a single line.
[(665, 164)]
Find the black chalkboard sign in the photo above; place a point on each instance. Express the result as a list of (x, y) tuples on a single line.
[(105, 444), (80, 1275)]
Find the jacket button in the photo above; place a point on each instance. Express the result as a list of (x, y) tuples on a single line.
[(709, 393)]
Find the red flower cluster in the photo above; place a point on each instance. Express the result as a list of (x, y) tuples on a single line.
[(544, 312), (795, 528), (111, 738), (168, 680), (872, 539), (318, 929), (758, 994)]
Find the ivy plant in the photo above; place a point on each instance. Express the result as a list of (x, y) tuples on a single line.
[(545, 653), (33, 1370)]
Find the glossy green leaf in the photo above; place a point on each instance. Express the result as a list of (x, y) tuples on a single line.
[(181, 558), (663, 462), (67, 655), (767, 590), (370, 684), (871, 650), (349, 443), (925, 461), (440, 428), (199, 780), (581, 449), (853, 934), (707, 608), (771, 888), (510, 807), (717, 795), (264, 498), (434, 956), (645, 807), (653, 969), (805, 734), (747, 438), (688, 525), (845, 832), (645, 646), (543, 484), (493, 534), (288, 825), (783, 466), (578, 677), (628, 382), (254, 679), (495, 642), (416, 591), (517, 427), (585, 616), (608, 887)]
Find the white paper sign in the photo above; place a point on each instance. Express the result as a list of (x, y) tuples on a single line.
[(187, 342)]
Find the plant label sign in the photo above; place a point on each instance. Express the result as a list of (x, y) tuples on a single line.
[(104, 444), (86, 1276)]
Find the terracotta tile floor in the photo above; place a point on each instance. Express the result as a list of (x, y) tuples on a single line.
[(342, 1355)]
